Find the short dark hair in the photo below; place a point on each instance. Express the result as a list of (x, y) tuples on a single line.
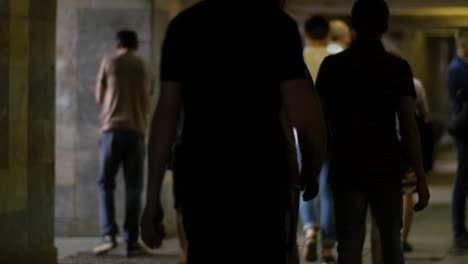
[(317, 28), (370, 17), (127, 39)]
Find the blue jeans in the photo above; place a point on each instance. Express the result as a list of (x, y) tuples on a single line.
[(460, 191), (385, 201), (322, 207), (127, 148)]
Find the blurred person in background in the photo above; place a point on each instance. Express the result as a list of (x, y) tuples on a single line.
[(340, 35), (457, 84), (422, 113), (124, 94), (362, 89), (318, 215)]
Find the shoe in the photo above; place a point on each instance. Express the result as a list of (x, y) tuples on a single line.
[(461, 242), (108, 243), (407, 247), (134, 249), (310, 249), (327, 256)]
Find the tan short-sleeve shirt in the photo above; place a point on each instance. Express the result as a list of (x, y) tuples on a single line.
[(126, 94)]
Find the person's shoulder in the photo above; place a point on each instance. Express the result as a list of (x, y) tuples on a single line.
[(397, 62), (283, 19), (283, 16), (193, 12), (335, 59), (392, 58), (109, 60), (454, 66), (417, 83)]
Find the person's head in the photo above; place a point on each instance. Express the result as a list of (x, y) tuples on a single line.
[(127, 40), (317, 28), (462, 42), (340, 33), (370, 18)]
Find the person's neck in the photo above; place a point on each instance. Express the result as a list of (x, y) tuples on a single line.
[(317, 43), (125, 51)]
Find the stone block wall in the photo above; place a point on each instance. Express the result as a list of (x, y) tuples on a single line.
[(85, 34)]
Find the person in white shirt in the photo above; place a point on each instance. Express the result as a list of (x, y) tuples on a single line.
[(340, 35), (317, 215)]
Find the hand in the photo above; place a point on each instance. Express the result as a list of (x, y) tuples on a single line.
[(423, 196), (311, 189), (152, 229)]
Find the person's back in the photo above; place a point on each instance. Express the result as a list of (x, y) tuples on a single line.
[(363, 103), (362, 90), (316, 37), (122, 91), (457, 85), (233, 153), (231, 93), (125, 104)]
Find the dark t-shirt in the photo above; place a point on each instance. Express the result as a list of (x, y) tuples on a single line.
[(230, 60), (360, 89)]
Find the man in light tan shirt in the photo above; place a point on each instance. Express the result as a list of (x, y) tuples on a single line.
[(123, 92)]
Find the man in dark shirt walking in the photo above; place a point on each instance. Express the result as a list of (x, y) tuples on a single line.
[(234, 170), (457, 81), (362, 89)]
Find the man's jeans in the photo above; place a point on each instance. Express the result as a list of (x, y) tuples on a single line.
[(322, 208), (127, 148), (385, 201), (460, 191)]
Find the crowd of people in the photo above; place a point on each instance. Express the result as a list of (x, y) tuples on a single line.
[(251, 116)]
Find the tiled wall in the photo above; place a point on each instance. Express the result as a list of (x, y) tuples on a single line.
[(85, 34)]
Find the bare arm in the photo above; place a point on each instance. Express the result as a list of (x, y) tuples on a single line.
[(303, 110), (162, 135), (100, 89), (412, 144), (101, 83)]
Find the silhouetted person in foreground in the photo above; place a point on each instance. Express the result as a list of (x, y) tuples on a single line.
[(123, 92), (234, 171), (362, 89), (457, 84)]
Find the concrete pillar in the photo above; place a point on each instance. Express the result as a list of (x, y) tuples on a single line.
[(27, 135)]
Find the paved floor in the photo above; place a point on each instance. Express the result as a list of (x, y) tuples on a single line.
[(431, 238), (431, 234)]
